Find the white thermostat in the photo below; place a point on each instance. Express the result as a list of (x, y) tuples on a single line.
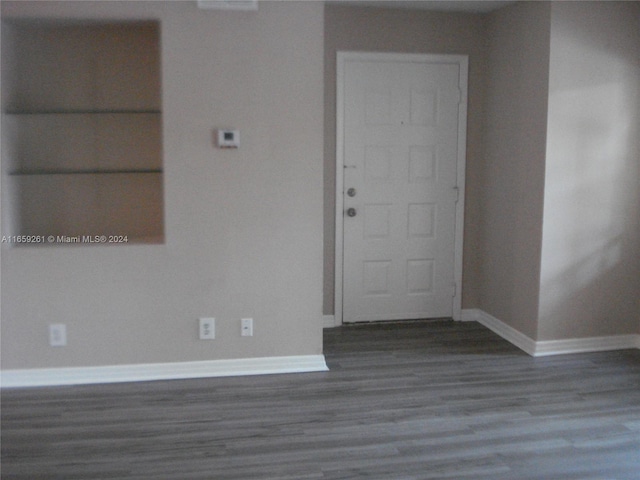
[(228, 138)]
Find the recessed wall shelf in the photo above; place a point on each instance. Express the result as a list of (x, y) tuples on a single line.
[(82, 129)]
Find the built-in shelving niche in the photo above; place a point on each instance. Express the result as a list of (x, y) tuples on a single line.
[(82, 130)]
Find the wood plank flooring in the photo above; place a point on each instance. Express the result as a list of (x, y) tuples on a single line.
[(402, 401)]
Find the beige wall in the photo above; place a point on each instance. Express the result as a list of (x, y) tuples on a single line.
[(560, 190), (514, 158), (590, 284), (374, 29), (243, 228)]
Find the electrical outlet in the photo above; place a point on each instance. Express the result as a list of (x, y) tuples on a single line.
[(58, 335), (246, 327), (207, 328)]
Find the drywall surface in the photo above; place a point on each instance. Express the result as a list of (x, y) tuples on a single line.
[(514, 161), (590, 281), (243, 228)]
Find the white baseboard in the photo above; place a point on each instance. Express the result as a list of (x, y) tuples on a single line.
[(329, 321), (507, 332), (470, 315), (550, 347), (581, 345), (161, 371)]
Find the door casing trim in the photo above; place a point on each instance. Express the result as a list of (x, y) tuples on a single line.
[(463, 62)]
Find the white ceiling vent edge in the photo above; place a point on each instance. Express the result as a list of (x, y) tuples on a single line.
[(244, 5)]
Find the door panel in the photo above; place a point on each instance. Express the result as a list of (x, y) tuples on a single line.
[(400, 155)]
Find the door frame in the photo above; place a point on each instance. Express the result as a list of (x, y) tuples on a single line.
[(462, 61)]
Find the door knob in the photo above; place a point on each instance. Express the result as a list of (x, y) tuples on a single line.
[(351, 212), (351, 192)]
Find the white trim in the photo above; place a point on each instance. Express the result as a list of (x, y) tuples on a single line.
[(470, 315), (463, 62), (339, 247), (461, 163), (329, 321), (591, 344), (161, 371), (551, 347), (507, 332)]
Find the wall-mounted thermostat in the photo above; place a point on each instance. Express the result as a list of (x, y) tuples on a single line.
[(228, 138)]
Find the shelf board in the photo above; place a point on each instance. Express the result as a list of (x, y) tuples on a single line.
[(85, 172), (84, 112)]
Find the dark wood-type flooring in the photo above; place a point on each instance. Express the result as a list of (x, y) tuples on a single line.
[(404, 401)]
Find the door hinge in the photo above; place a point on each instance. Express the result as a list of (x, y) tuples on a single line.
[(455, 289), (457, 191)]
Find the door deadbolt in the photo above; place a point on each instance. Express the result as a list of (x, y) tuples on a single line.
[(351, 192), (351, 212)]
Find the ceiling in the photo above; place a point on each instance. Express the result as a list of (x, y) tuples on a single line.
[(469, 6)]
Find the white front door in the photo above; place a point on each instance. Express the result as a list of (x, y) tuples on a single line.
[(400, 153)]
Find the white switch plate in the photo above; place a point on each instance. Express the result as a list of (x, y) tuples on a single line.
[(58, 335), (207, 328), (246, 325)]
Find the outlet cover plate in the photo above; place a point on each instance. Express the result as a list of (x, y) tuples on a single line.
[(58, 335), (207, 328), (246, 327)]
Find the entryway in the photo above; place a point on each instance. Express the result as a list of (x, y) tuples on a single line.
[(401, 140)]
